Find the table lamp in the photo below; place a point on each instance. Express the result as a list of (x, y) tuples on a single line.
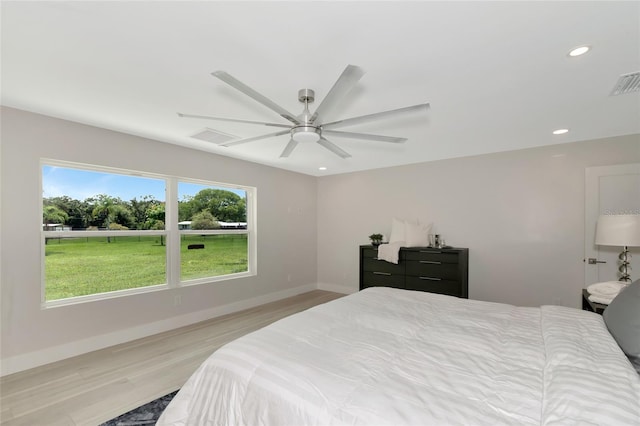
[(621, 230)]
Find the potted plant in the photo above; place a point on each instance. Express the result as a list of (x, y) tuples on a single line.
[(376, 239)]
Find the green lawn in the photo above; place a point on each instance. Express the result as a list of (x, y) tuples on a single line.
[(82, 266)]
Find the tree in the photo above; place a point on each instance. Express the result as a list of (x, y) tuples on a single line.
[(109, 210), (78, 212), (225, 205), (185, 208), (53, 214), (117, 227), (159, 225), (123, 216), (139, 209), (204, 220), (113, 212), (155, 217)]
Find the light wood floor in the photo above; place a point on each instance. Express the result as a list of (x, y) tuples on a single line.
[(93, 388)]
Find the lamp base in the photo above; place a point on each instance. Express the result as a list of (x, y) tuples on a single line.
[(625, 267)]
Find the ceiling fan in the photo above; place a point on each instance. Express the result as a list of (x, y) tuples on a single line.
[(308, 127)]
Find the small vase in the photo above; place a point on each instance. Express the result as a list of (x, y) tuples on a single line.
[(376, 243)]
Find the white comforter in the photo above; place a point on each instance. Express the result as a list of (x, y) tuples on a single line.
[(394, 357)]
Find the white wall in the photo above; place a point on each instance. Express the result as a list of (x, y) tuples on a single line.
[(521, 214), (32, 336)]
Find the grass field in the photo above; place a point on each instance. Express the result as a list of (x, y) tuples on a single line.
[(82, 266)]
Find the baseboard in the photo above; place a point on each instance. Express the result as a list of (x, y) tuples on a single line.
[(29, 360), (337, 288)]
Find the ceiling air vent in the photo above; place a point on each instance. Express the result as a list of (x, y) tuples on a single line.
[(213, 136), (627, 83)]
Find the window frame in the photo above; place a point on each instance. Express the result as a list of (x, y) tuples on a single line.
[(171, 233)]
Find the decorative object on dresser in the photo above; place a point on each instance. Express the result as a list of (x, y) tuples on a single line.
[(376, 239), (621, 230), (404, 234), (444, 271)]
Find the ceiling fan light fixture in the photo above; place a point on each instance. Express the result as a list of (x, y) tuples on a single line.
[(305, 134)]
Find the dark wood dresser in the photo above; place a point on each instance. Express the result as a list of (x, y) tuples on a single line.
[(444, 271)]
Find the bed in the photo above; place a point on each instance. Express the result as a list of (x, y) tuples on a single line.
[(385, 356)]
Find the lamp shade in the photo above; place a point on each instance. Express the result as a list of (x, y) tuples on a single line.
[(618, 230)]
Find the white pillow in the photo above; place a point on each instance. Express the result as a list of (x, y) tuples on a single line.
[(397, 231), (416, 235)]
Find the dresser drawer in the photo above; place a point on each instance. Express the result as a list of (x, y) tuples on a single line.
[(433, 255), (382, 279), (433, 269), (369, 253), (451, 288), (375, 265)]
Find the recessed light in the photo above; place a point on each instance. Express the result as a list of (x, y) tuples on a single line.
[(560, 131), (322, 168), (580, 50)]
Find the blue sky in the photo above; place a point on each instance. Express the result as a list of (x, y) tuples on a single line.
[(82, 184)]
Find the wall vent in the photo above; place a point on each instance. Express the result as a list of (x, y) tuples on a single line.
[(213, 136), (627, 83)]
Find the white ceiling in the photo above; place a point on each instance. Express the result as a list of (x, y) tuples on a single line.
[(496, 74)]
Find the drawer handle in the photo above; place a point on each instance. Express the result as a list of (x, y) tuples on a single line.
[(431, 278), (431, 251), (382, 273), (431, 262)]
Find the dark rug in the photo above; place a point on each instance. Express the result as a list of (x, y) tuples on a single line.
[(147, 414)]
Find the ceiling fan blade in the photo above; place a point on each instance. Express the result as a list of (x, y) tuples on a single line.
[(341, 87), (234, 120), (376, 116), (287, 149), (255, 138), (365, 136), (236, 84), (334, 148)]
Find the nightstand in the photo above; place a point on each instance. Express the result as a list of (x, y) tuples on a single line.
[(588, 305)]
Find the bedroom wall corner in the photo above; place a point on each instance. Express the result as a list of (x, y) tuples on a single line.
[(287, 243), (336, 288), (521, 214)]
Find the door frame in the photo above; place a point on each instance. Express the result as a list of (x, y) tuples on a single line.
[(592, 211)]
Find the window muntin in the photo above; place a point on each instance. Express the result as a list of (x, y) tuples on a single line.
[(115, 241)]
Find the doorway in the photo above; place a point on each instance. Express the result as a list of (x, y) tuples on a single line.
[(609, 190)]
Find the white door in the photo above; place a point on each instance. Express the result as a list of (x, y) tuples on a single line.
[(609, 190)]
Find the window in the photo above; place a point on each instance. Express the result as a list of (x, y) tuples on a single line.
[(214, 219), (108, 232)]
